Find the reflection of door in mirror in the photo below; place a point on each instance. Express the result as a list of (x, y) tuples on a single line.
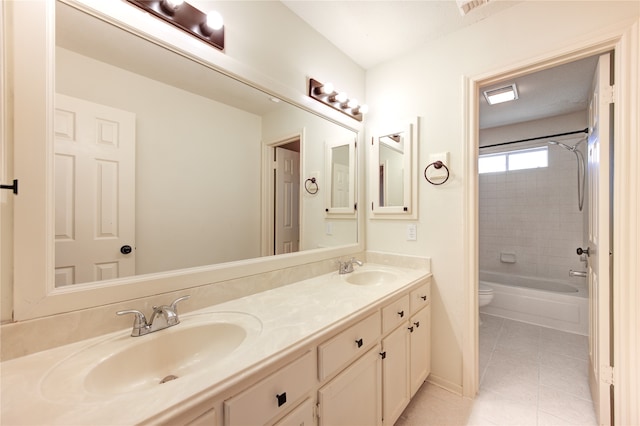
[(391, 166), (94, 192), (340, 176), (287, 206)]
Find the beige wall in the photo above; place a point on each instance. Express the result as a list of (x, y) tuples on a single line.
[(428, 83)]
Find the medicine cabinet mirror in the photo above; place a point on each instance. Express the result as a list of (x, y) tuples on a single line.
[(393, 172), (340, 170)]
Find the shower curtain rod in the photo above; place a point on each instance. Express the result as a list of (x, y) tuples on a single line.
[(586, 130)]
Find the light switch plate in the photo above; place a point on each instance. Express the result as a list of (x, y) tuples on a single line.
[(412, 232)]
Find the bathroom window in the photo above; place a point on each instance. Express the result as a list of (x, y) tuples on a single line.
[(513, 160)]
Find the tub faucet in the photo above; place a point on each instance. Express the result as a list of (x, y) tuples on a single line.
[(163, 317), (347, 267)]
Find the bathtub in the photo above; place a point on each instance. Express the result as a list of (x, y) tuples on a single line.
[(549, 303)]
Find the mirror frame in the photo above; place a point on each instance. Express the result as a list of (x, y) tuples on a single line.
[(409, 210), (351, 208), (35, 294)]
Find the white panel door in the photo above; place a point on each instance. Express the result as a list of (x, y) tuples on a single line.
[(599, 240), (287, 227), (94, 191)]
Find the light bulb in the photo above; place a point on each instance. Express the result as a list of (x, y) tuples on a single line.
[(353, 103), (214, 20), (364, 109), (170, 6), (341, 97), (327, 88)]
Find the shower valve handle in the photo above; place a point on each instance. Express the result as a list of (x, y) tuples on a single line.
[(582, 251)]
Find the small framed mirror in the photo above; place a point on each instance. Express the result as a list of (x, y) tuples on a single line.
[(340, 171), (393, 172)]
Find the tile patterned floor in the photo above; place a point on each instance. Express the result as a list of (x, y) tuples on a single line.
[(529, 375)]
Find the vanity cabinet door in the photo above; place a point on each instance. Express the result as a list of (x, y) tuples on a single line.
[(420, 348), (353, 397), (395, 373)]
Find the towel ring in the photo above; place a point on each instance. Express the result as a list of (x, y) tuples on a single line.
[(438, 165), (311, 190)]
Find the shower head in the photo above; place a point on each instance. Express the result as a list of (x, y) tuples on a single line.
[(565, 146)]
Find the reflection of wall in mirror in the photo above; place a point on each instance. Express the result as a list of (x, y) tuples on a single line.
[(195, 205), (340, 176), (316, 131), (391, 177)]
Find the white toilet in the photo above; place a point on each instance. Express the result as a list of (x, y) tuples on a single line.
[(485, 295)]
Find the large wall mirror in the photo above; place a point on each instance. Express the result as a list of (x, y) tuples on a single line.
[(157, 160), (393, 172)]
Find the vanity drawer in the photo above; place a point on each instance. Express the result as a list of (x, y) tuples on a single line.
[(347, 345), (420, 297), (273, 395), (394, 313)]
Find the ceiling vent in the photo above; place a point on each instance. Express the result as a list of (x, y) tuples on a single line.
[(467, 6)]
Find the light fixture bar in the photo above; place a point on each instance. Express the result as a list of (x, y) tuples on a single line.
[(326, 94), (185, 17)]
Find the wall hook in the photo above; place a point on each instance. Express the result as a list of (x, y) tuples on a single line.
[(437, 165), (13, 187)]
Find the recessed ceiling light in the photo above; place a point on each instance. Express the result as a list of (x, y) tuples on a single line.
[(501, 94)]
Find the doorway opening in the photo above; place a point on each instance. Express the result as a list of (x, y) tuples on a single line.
[(529, 220), (283, 196)]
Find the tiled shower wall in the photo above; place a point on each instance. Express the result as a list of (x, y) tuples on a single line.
[(533, 213)]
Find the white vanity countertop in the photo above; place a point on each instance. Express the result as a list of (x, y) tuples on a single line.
[(289, 315)]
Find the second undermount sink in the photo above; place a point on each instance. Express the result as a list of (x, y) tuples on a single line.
[(126, 364), (370, 277)]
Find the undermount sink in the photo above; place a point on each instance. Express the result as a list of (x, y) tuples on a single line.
[(125, 364), (370, 277)]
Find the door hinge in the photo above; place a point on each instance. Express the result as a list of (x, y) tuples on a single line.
[(371, 140), (610, 93), (606, 374), (316, 410)]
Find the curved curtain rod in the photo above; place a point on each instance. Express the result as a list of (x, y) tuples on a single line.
[(586, 130)]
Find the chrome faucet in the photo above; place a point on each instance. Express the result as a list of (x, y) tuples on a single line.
[(347, 267), (163, 317)]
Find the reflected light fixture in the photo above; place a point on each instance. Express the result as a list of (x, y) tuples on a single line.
[(208, 27), (328, 95), (501, 94)]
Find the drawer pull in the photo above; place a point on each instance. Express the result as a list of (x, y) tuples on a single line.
[(383, 355), (410, 329), (423, 298), (282, 399), (417, 324), (359, 342), (401, 313)]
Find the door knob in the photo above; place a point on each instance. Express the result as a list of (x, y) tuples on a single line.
[(582, 251), (126, 249)]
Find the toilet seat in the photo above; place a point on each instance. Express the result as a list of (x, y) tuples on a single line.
[(483, 289)]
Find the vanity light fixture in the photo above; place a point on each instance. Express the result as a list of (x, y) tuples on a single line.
[(208, 27), (501, 94), (339, 101)]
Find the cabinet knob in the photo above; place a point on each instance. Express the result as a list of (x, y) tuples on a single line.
[(282, 398), (417, 324), (423, 298), (410, 329), (401, 313), (383, 355), (359, 342)]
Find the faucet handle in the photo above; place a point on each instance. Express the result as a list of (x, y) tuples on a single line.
[(139, 321), (174, 304)]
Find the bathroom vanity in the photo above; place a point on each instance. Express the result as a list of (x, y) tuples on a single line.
[(335, 349)]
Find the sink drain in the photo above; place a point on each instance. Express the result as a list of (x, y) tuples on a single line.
[(169, 378)]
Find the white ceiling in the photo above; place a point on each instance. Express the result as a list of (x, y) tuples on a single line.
[(374, 32)]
